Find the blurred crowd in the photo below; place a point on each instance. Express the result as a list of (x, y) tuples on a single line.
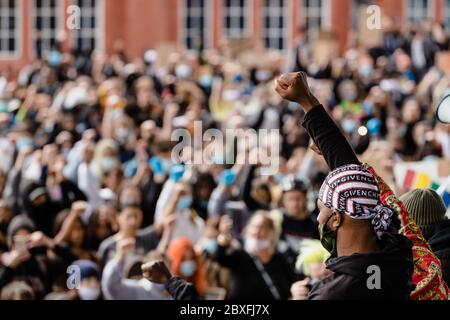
[(90, 190)]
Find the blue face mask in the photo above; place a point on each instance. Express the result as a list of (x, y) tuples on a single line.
[(206, 81), (184, 203), (177, 172), (24, 143), (123, 135), (54, 58), (167, 165), (211, 246), (108, 163), (348, 125), (227, 177), (279, 178), (366, 70), (188, 268)]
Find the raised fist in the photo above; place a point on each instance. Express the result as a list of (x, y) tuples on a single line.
[(294, 87), (156, 272)]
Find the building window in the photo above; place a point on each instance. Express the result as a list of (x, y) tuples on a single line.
[(275, 23), (419, 10), (46, 23), (447, 12), (195, 22), (236, 18), (90, 35), (316, 15), (9, 27), (357, 6)]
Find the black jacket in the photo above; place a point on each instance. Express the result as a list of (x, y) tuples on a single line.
[(247, 282), (439, 240), (182, 290), (352, 274)]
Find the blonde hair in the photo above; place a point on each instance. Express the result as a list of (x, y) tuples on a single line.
[(311, 252)]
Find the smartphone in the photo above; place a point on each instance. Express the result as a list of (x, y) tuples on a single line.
[(21, 242)]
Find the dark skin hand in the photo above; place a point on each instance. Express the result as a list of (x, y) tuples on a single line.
[(294, 87), (156, 272)]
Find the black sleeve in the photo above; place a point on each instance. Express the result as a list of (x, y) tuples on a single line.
[(326, 135), (229, 257), (6, 275), (63, 251), (182, 290), (151, 192)]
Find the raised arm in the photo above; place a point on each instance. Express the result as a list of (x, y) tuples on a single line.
[(322, 129)]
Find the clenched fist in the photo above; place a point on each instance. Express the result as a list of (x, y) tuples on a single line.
[(156, 272), (294, 87)]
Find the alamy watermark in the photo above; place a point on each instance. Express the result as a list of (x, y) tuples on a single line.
[(373, 17), (204, 148), (73, 277), (374, 280), (73, 17)]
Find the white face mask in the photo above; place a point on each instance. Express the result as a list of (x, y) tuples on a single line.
[(188, 268), (89, 293), (253, 245), (230, 95), (183, 71)]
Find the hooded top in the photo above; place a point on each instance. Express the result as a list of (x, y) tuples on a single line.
[(17, 223), (43, 215), (354, 275), (439, 240)]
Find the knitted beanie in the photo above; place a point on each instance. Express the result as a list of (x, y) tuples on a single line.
[(425, 206)]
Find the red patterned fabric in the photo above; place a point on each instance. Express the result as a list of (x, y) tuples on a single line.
[(427, 267)]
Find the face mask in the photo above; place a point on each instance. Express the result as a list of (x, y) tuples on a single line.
[(108, 163), (366, 70), (350, 95), (206, 81), (279, 178), (211, 246), (89, 293), (188, 268), (24, 143), (166, 164), (123, 135), (253, 245), (65, 153), (183, 71), (348, 125), (230, 95), (54, 58), (227, 177), (263, 75), (184, 203), (328, 238)]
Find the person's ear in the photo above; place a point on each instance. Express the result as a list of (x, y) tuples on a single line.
[(336, 220)]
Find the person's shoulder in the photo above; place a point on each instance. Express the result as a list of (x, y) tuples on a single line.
[(334, 287), (107, 244), (145, 232)]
